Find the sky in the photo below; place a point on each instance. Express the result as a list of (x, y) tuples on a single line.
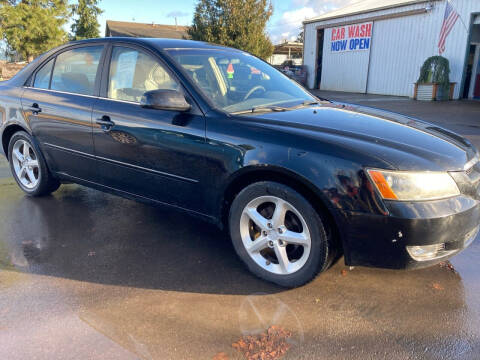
[(285, 24)]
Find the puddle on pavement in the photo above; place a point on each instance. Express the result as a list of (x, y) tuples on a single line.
[(154, 284)]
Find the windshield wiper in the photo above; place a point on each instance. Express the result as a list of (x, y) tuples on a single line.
[(307, 103), (303, 104), (275, 108), (324, 99), (261, 109)]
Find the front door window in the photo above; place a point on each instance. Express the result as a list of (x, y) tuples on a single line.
[(133, 72)]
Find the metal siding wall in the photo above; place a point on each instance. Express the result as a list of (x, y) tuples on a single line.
[(311, 35), (456, 45), (399, 47), (397, 53), (309, 55), (343, 71)]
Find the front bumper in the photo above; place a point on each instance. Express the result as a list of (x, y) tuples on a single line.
[(383, 240)]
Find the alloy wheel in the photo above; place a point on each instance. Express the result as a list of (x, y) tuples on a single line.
[(25, 164), (275, 235)]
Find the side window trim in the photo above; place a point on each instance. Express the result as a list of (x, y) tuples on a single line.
[(97, 86), (51, 73), (98, 76), (105, 71), (33, 78)]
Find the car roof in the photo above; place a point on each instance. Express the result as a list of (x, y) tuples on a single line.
[(158, 43)]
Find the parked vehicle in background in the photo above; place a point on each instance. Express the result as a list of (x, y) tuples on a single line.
[(296, 72), (222, 135)]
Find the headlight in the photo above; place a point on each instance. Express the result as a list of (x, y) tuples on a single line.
[(413, 186)]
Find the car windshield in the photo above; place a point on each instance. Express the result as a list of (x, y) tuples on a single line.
[(237, 82)]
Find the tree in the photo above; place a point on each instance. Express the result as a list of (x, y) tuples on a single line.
[(86, 26), (236, 23), (300, 37), (31, 27)]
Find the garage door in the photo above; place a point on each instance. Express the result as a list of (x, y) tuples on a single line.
[(345, 63)]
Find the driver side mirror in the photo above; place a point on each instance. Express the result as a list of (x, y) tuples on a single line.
[(162, 99)]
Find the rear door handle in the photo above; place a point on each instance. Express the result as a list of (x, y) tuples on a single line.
[(105, 123), (35, 109)]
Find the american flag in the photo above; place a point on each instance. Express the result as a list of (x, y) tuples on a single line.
[(449, 20)]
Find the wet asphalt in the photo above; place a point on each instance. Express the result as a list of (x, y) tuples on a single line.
[(86, 275)]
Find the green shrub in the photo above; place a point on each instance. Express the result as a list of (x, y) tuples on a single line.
[(436, 69)]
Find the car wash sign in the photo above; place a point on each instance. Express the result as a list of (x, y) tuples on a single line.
[(352, 37)]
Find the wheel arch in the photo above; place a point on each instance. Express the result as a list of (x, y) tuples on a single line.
[(7, 134), (248, 176)]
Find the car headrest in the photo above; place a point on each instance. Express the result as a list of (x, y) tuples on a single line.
[(77, 82)]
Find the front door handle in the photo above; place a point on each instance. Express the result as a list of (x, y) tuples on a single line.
[(105, 123), (35, 109)]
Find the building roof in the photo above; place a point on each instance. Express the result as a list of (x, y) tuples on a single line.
[(363, 6), (288, 47), (132, 29)]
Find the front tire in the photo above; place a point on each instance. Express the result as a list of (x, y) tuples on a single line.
[(29, 167), (278, 234)]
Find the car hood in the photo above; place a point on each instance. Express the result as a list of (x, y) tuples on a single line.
[(401, 141)]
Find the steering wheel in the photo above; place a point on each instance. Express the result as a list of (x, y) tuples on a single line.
[(252, 90)]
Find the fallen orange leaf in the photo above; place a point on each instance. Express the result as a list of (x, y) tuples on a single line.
[(270, 345), (437, 286), (220, 356)]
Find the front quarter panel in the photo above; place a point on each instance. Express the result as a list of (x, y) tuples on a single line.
[(373, 232), (241, 145)]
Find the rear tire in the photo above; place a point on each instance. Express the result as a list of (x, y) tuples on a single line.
[(279, 235), (29, 167)]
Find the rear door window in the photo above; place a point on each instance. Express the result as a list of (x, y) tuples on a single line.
[(75, 70), (42, 78)]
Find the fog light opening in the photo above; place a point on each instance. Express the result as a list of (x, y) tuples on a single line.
[(428, 252), (438, 251)]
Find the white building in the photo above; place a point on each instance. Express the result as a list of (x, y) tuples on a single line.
[(287, 51), (379, 46)]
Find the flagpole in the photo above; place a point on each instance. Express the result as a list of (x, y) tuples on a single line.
[(465, 26)]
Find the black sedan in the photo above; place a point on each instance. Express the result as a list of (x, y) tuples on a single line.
[(220, 134)]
